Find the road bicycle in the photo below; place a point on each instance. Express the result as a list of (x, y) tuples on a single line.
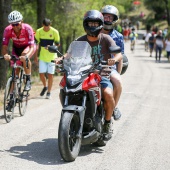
[(20, 96)]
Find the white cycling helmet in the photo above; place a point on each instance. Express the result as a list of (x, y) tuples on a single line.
[(15, 16)]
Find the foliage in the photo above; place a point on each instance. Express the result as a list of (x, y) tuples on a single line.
[(66, 15), (160, 8)]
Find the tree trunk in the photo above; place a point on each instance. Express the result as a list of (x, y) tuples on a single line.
[(41, 12), (5, 9), (167, 11)]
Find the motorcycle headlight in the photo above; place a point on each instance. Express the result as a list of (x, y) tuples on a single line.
[(73, 79)]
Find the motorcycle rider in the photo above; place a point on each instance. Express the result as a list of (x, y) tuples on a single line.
[(93, 23), (111, 17)]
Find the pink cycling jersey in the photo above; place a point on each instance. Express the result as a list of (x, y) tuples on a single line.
[(25, 38)]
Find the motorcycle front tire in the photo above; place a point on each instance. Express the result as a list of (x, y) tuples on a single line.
[(68, 141)]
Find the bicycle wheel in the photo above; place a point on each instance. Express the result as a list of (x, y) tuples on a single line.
[(8, 113), (23, 99)]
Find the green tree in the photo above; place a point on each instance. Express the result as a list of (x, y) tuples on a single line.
[(5, 9), (160, 8)]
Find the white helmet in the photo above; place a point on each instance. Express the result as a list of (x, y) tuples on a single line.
[(15, 16), (110, 9)]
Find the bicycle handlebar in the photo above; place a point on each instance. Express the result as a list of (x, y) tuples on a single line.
[(1, 57), (15, 58)]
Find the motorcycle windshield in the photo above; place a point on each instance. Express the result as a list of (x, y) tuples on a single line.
[(78, 57)]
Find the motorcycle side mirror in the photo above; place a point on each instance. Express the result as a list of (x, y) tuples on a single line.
[(53, 49), (114, 49)]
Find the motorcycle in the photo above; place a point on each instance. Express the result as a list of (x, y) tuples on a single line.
[(82, 115)]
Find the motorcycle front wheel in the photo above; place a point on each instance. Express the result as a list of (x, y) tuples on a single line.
[(68, 141)]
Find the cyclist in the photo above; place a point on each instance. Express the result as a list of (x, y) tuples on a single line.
[(133, 35), (111, 16), (93, 23), (23, 44)]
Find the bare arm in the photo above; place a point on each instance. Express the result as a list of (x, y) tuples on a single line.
[(4, 52), (36, 53)]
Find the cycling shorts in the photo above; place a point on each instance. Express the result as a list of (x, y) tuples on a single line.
[(18, 51)]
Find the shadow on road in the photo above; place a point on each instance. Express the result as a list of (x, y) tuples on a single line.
[(46, 152), (89, 149)]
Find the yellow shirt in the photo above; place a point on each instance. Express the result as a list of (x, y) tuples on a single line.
[(44, 38)]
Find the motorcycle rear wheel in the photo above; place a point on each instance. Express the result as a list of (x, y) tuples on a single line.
[(68, 142)]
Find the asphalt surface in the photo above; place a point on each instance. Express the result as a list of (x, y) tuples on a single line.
[(141, 139)]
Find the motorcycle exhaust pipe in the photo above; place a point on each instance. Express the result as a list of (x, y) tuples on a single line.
[(89, 122)]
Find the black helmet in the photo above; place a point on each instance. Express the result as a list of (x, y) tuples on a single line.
[(133, 29), (110, 9), (93, 15)]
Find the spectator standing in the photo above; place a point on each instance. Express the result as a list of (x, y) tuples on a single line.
[(164, 33), (159, 44), (133, 35), (147, 35), (167, 47), (137, 25), (151, 43), (44, 37), (142, 15), (126, 33)]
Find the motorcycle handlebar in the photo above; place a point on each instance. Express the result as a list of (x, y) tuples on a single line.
[(53, 61)]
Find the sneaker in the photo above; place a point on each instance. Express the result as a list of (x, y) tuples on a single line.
[(43, 91), (116, 114), (108, 131), (48, 95), (27, 85)]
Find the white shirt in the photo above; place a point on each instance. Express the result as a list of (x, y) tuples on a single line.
[(167, 48), (148, 35)]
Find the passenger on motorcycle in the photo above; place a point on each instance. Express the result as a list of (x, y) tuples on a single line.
[(111, 16), (93, 23), (23, 46)]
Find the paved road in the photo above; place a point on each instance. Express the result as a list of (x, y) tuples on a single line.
[(141, 139)]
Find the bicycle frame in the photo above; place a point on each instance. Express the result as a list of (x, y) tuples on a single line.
[(15, 86), (16, 80)]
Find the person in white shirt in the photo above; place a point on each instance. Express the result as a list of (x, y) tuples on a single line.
[(167, 47), (147, 36)]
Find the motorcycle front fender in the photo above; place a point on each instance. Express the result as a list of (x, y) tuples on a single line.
[(76, 109)]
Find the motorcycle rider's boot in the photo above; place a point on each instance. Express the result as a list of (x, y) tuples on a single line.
[(116, 114), (108, 131)]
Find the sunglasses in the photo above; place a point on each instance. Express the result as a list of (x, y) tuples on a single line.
[(15, 25)]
